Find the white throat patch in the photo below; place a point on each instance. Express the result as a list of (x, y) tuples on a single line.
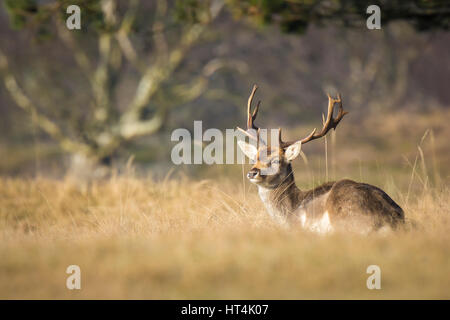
[(320, 225)]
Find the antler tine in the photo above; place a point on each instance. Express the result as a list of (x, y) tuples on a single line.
[(310, 136), (251, 116), (280, 141), (285, 144), (251, 136), (258, 138), (329, 123)]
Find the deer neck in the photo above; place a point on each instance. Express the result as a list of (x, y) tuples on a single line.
[(282, 199)]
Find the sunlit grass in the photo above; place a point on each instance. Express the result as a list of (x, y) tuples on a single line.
[(179, 237), (136, 238)]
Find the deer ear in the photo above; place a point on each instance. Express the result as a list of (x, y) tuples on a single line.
[(293, 151), (249, 150)]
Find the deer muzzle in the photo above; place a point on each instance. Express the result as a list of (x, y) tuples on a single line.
[(253, 174)]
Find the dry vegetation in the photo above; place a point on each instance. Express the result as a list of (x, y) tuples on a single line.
[(134, 238), (208, 236), (137, 237)]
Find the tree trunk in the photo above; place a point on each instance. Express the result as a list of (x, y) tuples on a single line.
[(85, 169)]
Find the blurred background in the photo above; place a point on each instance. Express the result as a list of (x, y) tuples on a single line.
[(91, 100), (99, 104)]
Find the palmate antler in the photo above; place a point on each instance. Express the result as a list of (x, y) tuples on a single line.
[(330, 122)]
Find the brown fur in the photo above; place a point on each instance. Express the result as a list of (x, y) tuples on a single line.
[(350, 205), (348, 198)]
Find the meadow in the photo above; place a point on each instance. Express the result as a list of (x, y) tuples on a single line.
[(87, 177), (137, 237)]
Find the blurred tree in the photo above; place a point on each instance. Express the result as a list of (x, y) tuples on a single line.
[(378, 72), (121, 31), (295, 15)]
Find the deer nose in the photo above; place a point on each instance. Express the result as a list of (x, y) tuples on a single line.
[(252, 174)]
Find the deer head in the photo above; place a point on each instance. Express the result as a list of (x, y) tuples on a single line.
[(272, 164)]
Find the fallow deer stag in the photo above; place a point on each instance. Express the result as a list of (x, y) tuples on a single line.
[(339, 205)]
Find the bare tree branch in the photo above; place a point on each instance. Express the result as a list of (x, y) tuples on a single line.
[(100, 85), (79, 55), (26, 104), (140, 128), (122, 35), (179, 94), (162, 47), (156, 74), (104, 133)]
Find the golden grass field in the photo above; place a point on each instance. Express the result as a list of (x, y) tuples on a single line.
[(139, 238), (134, 238)]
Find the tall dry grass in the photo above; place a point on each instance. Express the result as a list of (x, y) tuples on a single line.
[(136, 238), (185, 238)]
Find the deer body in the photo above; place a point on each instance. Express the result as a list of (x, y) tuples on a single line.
[(343, 204)]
